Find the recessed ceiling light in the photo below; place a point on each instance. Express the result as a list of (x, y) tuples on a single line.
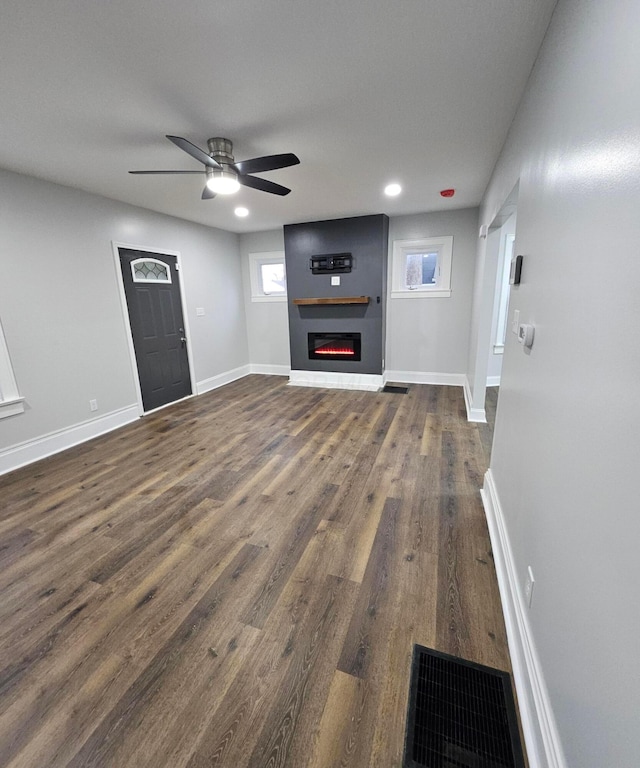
[(241, 211), (391, 190)]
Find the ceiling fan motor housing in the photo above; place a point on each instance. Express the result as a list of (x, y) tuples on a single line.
[(223, 181), (221, 150)]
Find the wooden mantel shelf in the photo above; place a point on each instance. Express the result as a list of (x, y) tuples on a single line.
[(333, 300)]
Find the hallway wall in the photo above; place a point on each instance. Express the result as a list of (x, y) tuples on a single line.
[(567, 437)]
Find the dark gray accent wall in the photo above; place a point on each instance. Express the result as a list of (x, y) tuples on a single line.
[(366, 238)]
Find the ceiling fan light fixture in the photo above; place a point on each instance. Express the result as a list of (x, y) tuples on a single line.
[(222, 182)]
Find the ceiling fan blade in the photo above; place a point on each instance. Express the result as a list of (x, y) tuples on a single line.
[(207, 194), (267, 163), (263, 185), (195, 152), (156, 172)]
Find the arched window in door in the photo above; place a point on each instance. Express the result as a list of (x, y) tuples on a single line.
[(150, 271)]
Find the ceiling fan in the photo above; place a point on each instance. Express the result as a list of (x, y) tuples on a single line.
[(224, 175)]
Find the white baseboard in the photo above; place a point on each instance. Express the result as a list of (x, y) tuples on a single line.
[(332, 380), (270, 370), (222, 378), (538, 722), (40, 447), (473, 414), (493, 381), (422, 377)]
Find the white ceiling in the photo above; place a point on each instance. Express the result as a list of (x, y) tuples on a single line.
[(364, 92)]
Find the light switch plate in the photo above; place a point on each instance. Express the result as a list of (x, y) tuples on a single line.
[(515, 323), (335, 279), (199, 311)]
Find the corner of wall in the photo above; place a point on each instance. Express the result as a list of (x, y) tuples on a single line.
[(473, 414)]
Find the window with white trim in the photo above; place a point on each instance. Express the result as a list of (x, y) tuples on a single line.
[(268, 276), (421, 268), (10, 401)]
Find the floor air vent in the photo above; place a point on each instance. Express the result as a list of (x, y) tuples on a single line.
[(395, 389), (461, 715)]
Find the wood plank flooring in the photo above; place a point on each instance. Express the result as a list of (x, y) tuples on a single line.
[(239, 580)]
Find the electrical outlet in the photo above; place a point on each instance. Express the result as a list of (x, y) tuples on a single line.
[(515, 323), (528, 586), (93, 405)]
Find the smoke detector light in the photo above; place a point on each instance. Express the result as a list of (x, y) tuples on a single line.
[(241, 211), (391, 190)]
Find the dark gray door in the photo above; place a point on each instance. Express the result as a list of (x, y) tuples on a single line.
[(152, 288)]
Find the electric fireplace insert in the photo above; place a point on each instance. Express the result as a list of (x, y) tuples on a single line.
[(334, 346)]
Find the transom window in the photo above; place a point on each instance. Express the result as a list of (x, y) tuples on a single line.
[(422, 267), (150, 271), (268, 276)]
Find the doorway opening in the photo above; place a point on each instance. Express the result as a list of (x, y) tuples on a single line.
[(491, 316), (502, 238)]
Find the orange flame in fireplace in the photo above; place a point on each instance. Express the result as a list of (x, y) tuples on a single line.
[(334, 351)]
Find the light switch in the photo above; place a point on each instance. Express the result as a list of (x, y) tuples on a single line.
[(515, 323), (199, 311), (526, 334), (335, 279)]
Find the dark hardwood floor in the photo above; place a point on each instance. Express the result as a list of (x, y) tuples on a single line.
[(239, 580)]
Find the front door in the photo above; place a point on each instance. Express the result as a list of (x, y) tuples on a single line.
[(152, 289)]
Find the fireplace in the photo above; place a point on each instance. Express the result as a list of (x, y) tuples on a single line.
[(334, 346)]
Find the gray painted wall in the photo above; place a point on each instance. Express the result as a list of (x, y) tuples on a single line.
[(267, 322), (567, 438), (410, 345), (60, 304), (432, 335)]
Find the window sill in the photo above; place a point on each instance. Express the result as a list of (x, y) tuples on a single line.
[(11, 407), (269, 298), (434, 293)]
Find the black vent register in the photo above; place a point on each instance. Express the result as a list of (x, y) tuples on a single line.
[(461, 715)]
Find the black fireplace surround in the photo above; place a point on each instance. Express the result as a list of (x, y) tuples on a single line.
[(364, 240)]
